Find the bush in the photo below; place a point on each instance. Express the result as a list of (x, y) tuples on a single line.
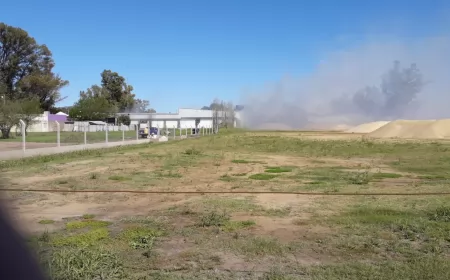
[(124, 119)]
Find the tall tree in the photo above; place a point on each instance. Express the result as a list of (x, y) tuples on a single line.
[(26, 68), (92, 108), (118, 91)]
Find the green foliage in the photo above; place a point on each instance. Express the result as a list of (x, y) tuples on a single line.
[(124, 119), (440, 214), (26, 68), (89, 238), (87, 224), (140, 237), (14, 110), (214, 218), (93, 108), (84, 263)]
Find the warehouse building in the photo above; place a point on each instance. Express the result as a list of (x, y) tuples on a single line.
[(183, 118)]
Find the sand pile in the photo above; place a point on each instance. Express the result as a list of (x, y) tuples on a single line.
[(367, 127), (412, 129)]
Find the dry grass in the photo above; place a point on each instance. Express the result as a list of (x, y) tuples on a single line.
[(128, 236)]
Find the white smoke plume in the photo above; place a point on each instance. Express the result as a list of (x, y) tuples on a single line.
[(326, 97)]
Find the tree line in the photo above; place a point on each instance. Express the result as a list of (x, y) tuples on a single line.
[(29, 86)]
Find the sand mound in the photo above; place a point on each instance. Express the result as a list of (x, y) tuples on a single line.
[(367, 127), (412, 129)]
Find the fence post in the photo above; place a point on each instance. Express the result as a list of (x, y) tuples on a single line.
[(106, 134), (173, 132), (123, 133), (186, 132), (22, 130), (137, 131), (58, 134)]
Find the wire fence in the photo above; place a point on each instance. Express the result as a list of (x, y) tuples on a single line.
[(229, 192), (62, 135)]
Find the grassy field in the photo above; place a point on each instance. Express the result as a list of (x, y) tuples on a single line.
[(240, 236)]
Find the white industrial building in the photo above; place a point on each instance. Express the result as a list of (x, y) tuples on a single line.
[(184, 118)]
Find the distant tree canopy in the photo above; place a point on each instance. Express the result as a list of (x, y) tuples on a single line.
[(398, 90), (26, 77), (112, 96)]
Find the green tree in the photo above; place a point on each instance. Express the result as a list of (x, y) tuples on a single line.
[(118, 92), (26, 68), (124, 119), (92, 108), (12, 111)]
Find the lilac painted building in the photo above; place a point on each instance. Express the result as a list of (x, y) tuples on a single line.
[(57, 118)]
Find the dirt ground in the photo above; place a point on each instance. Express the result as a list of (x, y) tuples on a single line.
[(258, 231)]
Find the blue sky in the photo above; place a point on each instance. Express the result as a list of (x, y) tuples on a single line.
[(185, 53)]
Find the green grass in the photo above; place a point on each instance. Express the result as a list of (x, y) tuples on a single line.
[(262, 176), (246, 161), (86, 224), (237, 225), (88, 216), (381, 175), (89, 238), (258, 246), (46, 222), (277, 169), (119, 178), (351, 237), (84, 263)]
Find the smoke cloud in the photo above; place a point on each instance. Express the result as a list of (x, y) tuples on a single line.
[(346, 88)]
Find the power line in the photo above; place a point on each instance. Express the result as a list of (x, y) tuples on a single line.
[(226, 192)]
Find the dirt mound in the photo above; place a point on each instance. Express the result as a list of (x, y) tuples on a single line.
[(414, 129), (367, 127)]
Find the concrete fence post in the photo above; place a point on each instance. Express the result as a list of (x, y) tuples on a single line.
[(22, 130), (174, 133), (137, 131), (85, 137), (186, 132), (58, 134), (123, 132), (106, 133)]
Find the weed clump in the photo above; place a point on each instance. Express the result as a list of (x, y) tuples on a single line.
[(192, 152), (440, 214), (140, 237), (84, 263), (214, 218)]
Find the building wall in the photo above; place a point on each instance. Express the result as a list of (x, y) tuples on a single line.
[(187, 123), (205, 123), (171, 124)]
